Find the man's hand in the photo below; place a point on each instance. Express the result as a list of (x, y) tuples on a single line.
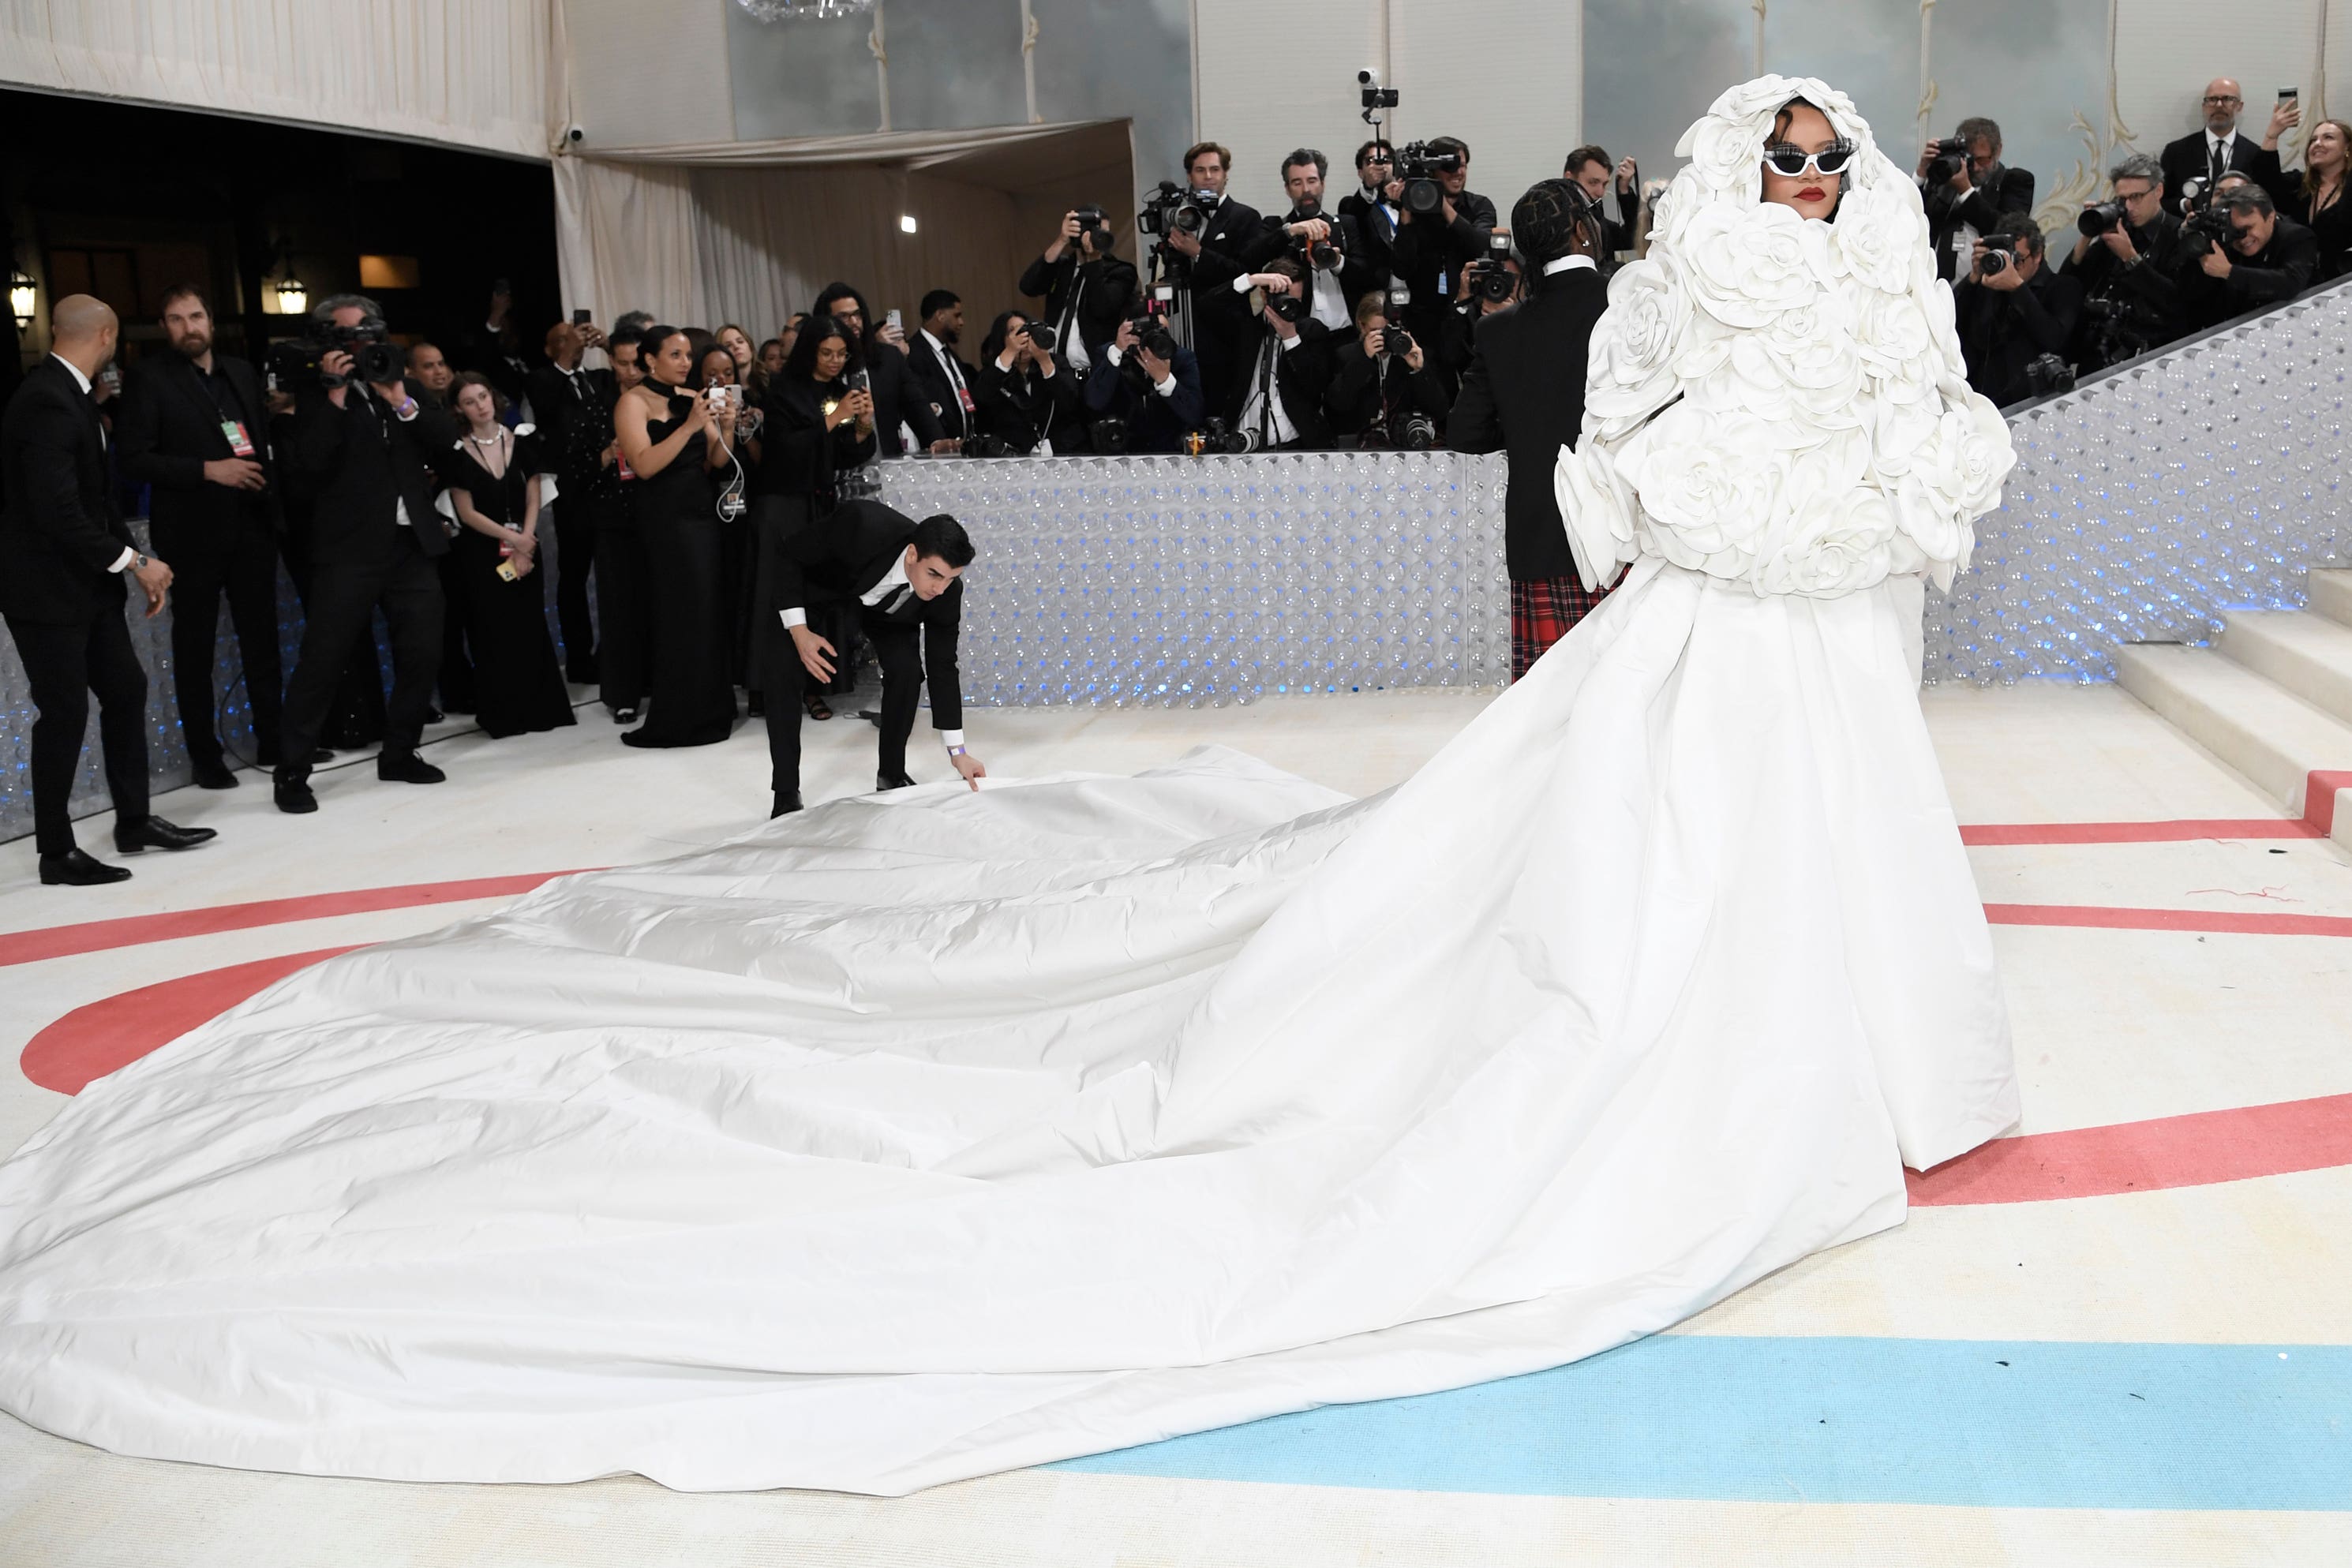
[(2217, 263), (1154, 367), (237, 472), (1062, 241), (1412, 360), (1960, 180), (1126, 340), (893, 336), (610, 456), (154, 578), (1375, 341), (1627, 171), (1311, 229), (2007, 280), (393, 394), (333, 364), (947, 446), (591, 336), (2119, 244), (1446, 210), (1185, 244), (968, 767), (816, 653)]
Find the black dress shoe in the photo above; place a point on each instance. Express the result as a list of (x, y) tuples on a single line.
[(155, 833), (407, 767), (755, 705), (214, 775), (79, 868), (890, 781), (786, 803), (293, 795)]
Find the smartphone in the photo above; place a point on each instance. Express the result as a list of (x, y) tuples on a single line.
[(895, 320), (580, 317), (861, 381), (2287, 92), (507, 572)]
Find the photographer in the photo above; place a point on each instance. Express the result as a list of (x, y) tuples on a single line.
[(901, 411), (1328, 245), (1373, 206), (1524, 394), (1087, 291), (1493, 283), (1279, 404), (2012, 311), (1968, 193), (1435, 248), (365, 445), (1212, 259), (1148, 385), (1029, 396), (2242, 255), (1589, 169), (1380, 382), (2125, 264)]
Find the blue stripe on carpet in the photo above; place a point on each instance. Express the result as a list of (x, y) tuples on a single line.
[(1972, 1423)]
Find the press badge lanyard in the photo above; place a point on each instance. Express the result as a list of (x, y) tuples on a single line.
[(233, 428)]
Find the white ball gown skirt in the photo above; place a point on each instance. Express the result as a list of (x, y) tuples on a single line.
[(928, 1135)]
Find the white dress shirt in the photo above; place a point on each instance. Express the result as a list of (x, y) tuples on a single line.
[(965, 409), (2217, 152), (81, 381), (874, 598), (1266, 387)]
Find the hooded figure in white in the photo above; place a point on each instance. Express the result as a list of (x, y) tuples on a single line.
[(918, 1136)]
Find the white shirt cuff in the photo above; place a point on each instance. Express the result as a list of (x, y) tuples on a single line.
[(1166, 388), (794, 618), (1243, 284), (406, 412), (1292, 341), (1112, 352), (952, 738), (125, 560)]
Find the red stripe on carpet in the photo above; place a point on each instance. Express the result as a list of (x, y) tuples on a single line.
[(1991, 833), (92, 1041), (2104, 917), (97, 936), (2195, 1150)]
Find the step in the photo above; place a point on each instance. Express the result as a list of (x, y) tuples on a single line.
[(2310, 656), (2274, 738), (2331, 595)]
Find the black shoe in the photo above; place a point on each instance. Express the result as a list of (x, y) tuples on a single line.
[(433, 716), (293, 795), (214, 775), (624, 715), (79, 868), (155, 833), (787, 802), (887, 782), (407, 767), (755, 705)]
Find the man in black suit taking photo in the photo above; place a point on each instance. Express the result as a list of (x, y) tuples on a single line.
[(1524, 394), (905, 579), (194, 429), (1969, 194), (64, 553)]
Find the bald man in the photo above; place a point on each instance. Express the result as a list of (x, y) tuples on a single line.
[(2219, 149), (64, 553)]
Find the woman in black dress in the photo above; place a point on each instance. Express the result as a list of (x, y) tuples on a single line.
[(674, 441), (817, 427), (492, 478), (2317, 201), (717, 365)]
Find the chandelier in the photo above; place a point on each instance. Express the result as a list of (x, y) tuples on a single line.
[(780, 10)]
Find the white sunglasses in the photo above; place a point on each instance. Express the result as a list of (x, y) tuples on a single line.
[(1791, 161)]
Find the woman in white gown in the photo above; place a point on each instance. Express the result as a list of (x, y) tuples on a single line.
[(931, 1133)]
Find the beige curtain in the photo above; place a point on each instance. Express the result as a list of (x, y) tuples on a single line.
[(471, 73), (625, 238)]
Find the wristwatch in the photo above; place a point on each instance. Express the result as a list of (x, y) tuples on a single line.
[(137, 561)]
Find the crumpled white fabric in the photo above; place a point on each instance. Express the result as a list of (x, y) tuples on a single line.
[(1776, 399), (925, 1135)]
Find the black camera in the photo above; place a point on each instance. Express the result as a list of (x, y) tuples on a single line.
[(1995, 262), (1093, 229), (1171, 209), (2206, 230), (2104, 218), (1317, 255), (1291, 308), (1041, 335), (1419, 166), (2047, 373), (1404, 429), (1109, 435), (983, 447), (1151, 333), (1489, 279), (1217, 436), (1951, 157), (374, 361)]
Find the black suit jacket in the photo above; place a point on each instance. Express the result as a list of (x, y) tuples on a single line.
[(1106, 289), (1020, 407), (2186, 160), (1364, 392), (1219, 314), (1374, 232), (1300, 376), (897, 398), (1154, 423), (928, 375), (2280, 270), (576, 429), (1428, 250), (169, 427), (844, 555), (361, 461), (2003, 330), (1524, 394), (1360, 271), (59, 530), (2005, 197)]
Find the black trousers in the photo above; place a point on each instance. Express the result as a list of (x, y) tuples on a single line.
[(576, 554), (63, 664), (897, 648), (356, 717), (241, 561), (623, 612), (455, 673), (345, 593)]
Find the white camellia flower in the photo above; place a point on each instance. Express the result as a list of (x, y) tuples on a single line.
[(1708, 483), (1892, 334), (1880, 233), (1629, 374), (1598, 509), (1745, 266), (1838, 544)]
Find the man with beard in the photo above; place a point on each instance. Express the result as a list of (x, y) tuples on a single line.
[(900, 409), (1303, 232), (940, 375), (194, 429)]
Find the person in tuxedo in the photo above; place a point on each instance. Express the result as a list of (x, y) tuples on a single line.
[(1524, 394), (2220, 148), (1372, 205), (1030, 398), (623, 573), (367, 450), (1332, 291), (194, 429), (63, 551), (1158, 396), (941, 378), (1591, 169), (903, 579), (1435, 249), (1087, 290), (572, 407), (1219, 318), (1286, 366), (1981, 196), (902, 415), (432, 381), (1372, 389)]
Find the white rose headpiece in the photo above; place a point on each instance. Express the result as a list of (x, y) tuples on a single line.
[(1822, 431)]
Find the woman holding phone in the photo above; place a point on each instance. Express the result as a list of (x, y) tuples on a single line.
[(674, 440)]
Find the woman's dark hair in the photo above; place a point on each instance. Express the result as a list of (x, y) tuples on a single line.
[(700, 377), (1000, 332), (650, 345), (800, 365), (476, 379), (944, 538), (1789, 112)]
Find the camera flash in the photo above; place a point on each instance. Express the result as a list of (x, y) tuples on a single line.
[(906, 223)]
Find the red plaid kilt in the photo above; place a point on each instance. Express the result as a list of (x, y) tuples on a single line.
[(1542, 610)]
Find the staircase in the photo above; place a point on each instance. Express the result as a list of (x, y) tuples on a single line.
[(2272, 698)]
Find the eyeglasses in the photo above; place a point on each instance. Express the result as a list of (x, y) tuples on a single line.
[(1791, 162), (2212, 98)]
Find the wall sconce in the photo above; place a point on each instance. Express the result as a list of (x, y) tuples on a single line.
[(906, 223), (21, 297), (293, 300)]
